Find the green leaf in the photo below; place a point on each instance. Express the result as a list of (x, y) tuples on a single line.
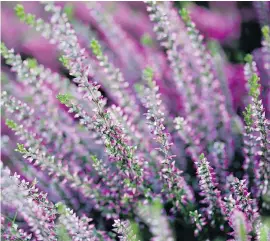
[(254, 86), (4, 49), (64, 60), (69, 10), (61, 208), (21, 148), (248, 115), (19, 11), (146, 40), (138, 87), (96, 48), (32, 63), (202, 156), (148, 75), (11, 124), (266, 32), (62, 233), (94, 159), (30, 19), (248, 58), (64, 98), (185, 15)]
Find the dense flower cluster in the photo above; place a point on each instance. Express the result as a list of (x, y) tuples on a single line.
[(132, 135)]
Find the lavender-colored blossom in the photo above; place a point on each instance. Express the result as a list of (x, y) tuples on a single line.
[(12, 232), (178, 189), (209, 190), (124, 230), (39, 213)]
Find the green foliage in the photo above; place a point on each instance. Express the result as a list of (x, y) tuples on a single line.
[(19, 11), (96, 48), (135, 231), (248, 58), (248, 115), (242, 231), (21, 148), (11, 124), (148, 75), (30, 19), (62, 233), (185, 15), (69, 11), (202, 156), (64, 98), (138, 87), (27, 18), (64, 60), (61, 208), (254, 86), (94, 159), (266, 33), (4, 49), (146, 40), (32, 63)]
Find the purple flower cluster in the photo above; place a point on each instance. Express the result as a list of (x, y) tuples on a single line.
[(132, 134)]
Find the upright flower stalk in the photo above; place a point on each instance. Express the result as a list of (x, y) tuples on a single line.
[(116, 82), (212, 198), (167, 37), (177, 189), (258, 125), (209, 84), (242, 198)]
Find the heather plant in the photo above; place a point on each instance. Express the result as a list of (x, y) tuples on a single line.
[(131, 133)]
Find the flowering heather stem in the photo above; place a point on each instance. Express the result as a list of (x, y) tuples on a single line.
[(215, 206), (55, 122), (167, 38), (251, 165), (242, 198), (114, 139), (198, 220), (18, 108), (38, 212), (116, 37), (78, 228), (240, 225), (61, 32), (256, 116), (10, 231), (211, 90), (36, 153), (174, 183), (116, 82), (124, 230)]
